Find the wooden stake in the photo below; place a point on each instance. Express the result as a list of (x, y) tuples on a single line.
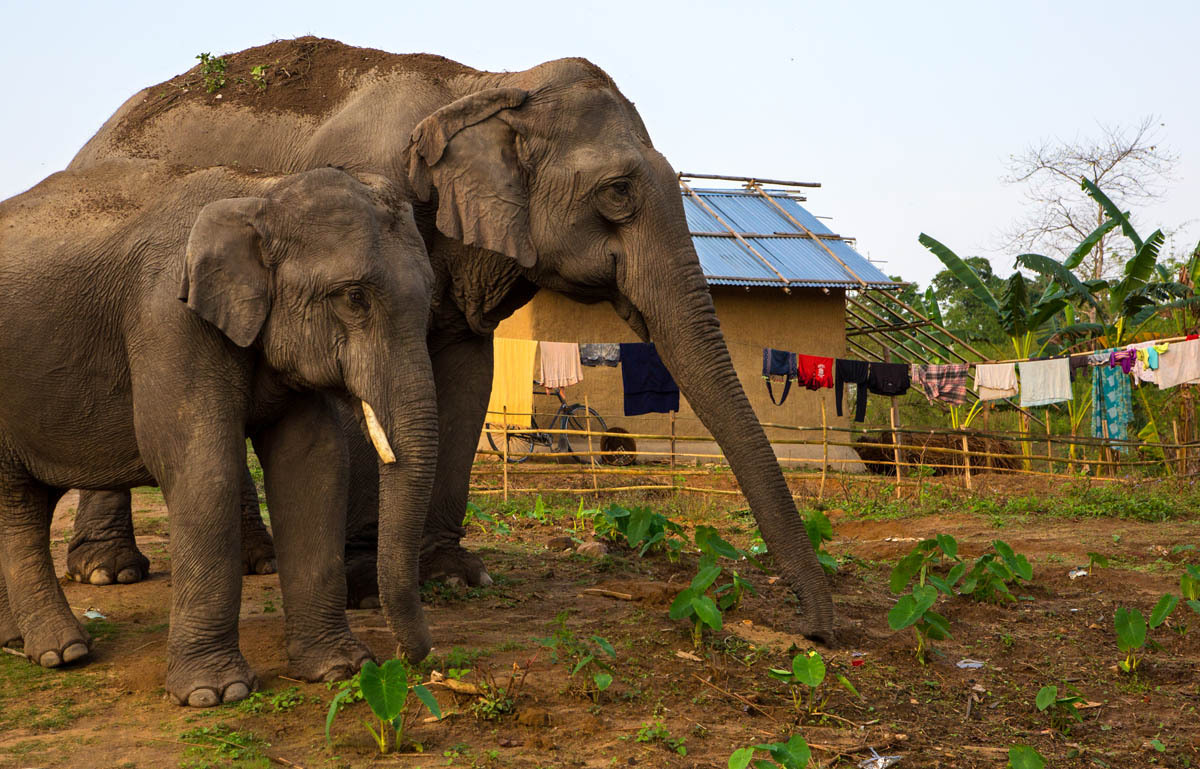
[(1049, 447), (1178, 452), (895, 442), (672, 440), (966, 462), (591, 458), (504, 416), (824, 448)]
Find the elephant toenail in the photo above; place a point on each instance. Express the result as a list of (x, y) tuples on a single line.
[(235, 692), (203, 698), (74, 651), (101, 577), (370, 602), (266, 566), (129, 576), (485, 579), (337, 673), (49, 660)]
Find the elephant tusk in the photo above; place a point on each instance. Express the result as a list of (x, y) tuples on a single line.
[(378, 439)]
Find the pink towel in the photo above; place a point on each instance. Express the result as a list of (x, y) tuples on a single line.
[(560, 364)]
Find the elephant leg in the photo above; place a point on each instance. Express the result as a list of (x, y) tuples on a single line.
[(463, 375), (103, 550), (258, 549), (305, 469), (362, 515), (35, 602), (10, 634)]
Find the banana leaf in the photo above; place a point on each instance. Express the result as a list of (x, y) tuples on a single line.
[(1078, 331), (1137, 273), (1113, 212), (1071, 285), (962, 271), (1087, 244), (1014, 307)]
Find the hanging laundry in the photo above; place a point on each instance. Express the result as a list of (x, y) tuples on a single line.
[(648, 385), (778, 366), (1145, 368), (1045, 381), (560, 364), (994, 381), (888, 378), (512, 381), (814, 371), (1078, 363), (1123, 359), (600, 354), (1180, 364), (942, 382), (1112, 401), (854, 372)]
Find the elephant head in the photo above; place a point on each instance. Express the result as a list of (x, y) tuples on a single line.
[(554, 168), (328, 279)]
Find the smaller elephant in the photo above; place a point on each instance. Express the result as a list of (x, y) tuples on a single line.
[(151, 318)]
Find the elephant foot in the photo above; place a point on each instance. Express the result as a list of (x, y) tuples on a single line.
[(258, 551), (454, 564), (10, 634), (362, 583), (327, 661), (206, 683), (103, 562), (54, 643)]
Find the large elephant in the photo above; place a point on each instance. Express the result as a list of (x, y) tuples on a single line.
[(155, 316), (539, 179)]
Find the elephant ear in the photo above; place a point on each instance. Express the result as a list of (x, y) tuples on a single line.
[(469, 155), (224, 278)]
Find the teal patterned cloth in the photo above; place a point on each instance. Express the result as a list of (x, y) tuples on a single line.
[(1112, 400)]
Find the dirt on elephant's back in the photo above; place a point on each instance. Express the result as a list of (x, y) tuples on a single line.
[(306, 76)]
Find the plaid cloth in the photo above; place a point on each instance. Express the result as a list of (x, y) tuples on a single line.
[(946, 383), (1112, 400)]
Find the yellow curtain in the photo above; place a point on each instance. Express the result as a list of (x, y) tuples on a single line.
[(512, 381)]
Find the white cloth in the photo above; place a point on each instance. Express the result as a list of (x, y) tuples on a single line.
[(995, 380), (1045, 381), (560, 364), (1180, 364)]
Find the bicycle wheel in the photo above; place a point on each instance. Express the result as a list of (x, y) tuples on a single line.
[(520, 445), (580, 417)]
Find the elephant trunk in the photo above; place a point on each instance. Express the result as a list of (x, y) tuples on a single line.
[(400, 417), (688, 337)]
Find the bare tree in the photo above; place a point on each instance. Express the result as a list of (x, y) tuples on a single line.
[(1127, 162)]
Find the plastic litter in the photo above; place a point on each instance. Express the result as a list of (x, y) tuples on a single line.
[(856, 659), (1077, 573), (93, 614), (878, 761), (971, 664)]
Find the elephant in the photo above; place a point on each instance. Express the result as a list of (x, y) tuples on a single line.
[(155, 316), (537, 180)]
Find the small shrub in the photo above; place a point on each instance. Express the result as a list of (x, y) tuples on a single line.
[(485, 521), (642, 529), (657, 733), (695, 605), (385, 689), (581, 656), (1062, 710), (793, 754), (808, 672), (212, 68), (990, 576)]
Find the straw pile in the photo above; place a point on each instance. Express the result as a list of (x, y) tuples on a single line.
[(914, 450)]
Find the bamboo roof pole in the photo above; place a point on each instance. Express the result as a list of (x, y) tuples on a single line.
[(922, 316), (735, 233), (762, 193), (935, 340)]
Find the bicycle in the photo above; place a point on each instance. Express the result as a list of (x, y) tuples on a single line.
[(575, 416)]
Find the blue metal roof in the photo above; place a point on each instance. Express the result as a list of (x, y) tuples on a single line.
[(800, 259)]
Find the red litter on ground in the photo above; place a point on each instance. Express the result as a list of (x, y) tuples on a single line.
[(856, 659)]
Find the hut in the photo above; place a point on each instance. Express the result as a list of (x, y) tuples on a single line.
[(778, 277)]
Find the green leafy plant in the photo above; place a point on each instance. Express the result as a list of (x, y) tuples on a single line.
[(272, 702), (1096, 560), (713, 546), (581, 656), (1189, 586), (695, 605), (642, 529), (1062, 710), (498, 699), (212, 68), (793, 754), (385, 689), (1131, 636), (655, 732), (258, 76), (991, 574), (915, 610), (807, 674), (221, 743), (1025, 757), (486, 522), (820, 531)]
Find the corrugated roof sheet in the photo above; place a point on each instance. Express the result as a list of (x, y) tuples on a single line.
[(801, 260)]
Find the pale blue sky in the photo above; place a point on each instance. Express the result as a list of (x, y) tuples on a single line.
[(904, 111)]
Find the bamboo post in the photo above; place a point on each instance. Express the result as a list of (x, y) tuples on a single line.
[(824, 449), (895, 442), (1178, 451), (1049, 447), (504, 458), (966, 462), (587, 416), (987, 419), (672, 440)]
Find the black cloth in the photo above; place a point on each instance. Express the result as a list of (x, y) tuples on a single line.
[(648, 385), (1077, 364), (889, 378), (779, 363), (854, 372)]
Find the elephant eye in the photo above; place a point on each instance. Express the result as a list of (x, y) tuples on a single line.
[(615, 201), (357, 297)]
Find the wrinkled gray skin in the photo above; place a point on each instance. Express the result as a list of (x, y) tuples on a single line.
[(540, 179), (152, 319)]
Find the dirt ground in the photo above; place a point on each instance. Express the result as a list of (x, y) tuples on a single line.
[(110, 711)]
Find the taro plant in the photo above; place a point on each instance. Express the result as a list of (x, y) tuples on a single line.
[(713, 546), (1025, 757), (589, 671), (656, 732), (793, 754), (915, 610), (386, 690), (1189, 586), (807, 675), (642, 529), (1131, 636), (1061, 710), (990, 576), (484, 520), (695, 605)]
